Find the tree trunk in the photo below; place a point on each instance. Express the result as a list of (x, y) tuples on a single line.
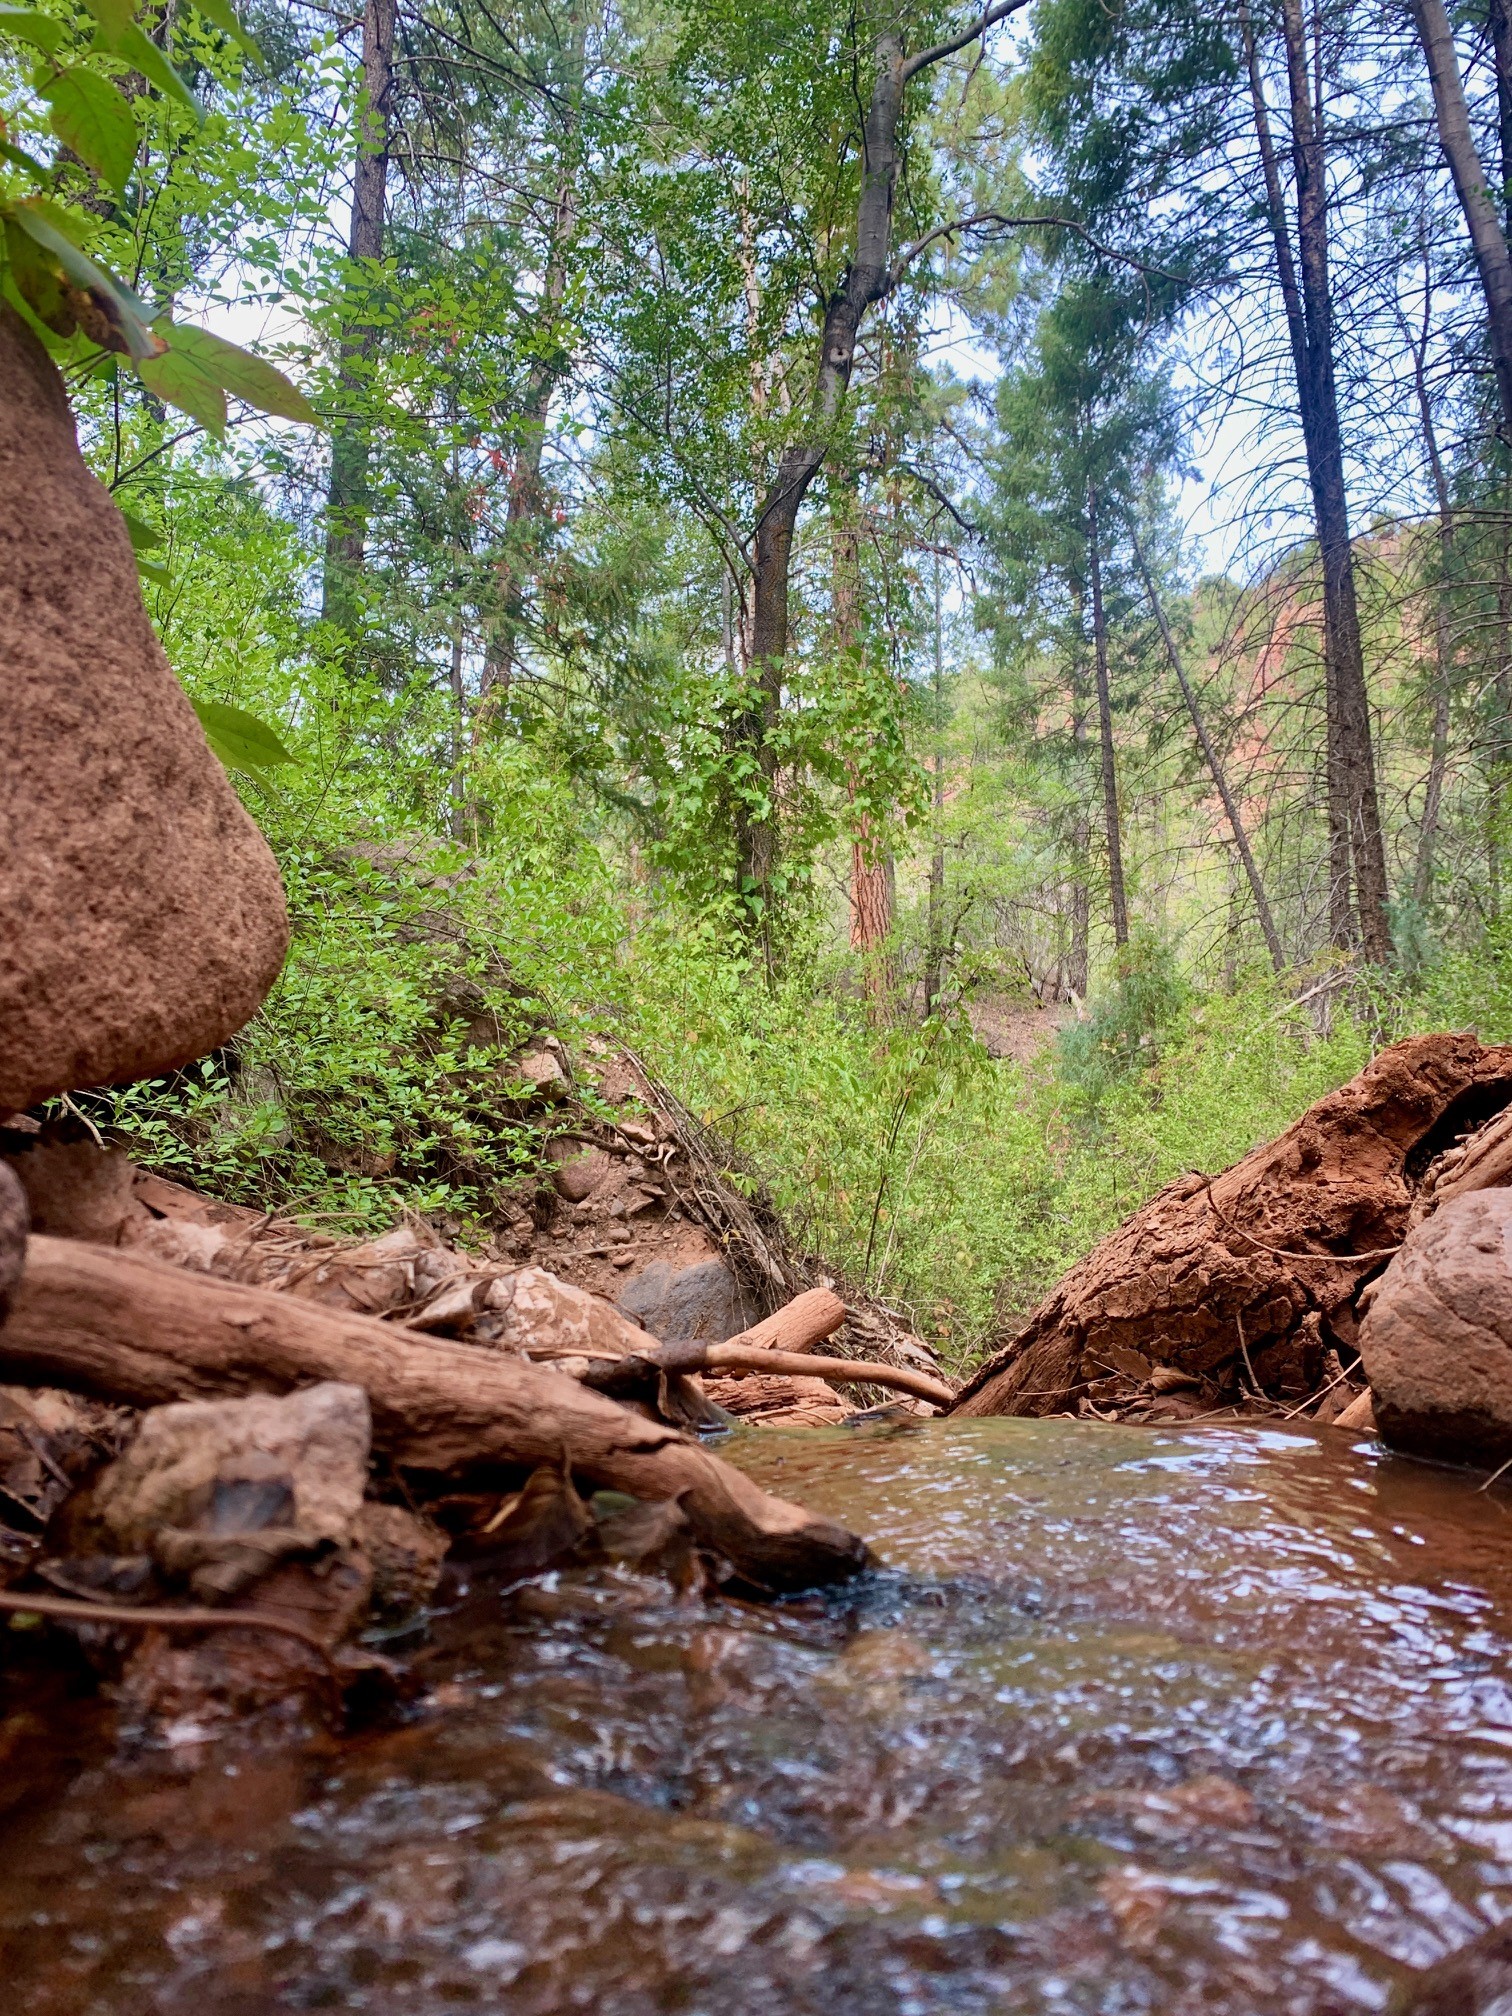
[(934, 956), (868, 279), (548, 367), (871, 882), (1116, 892), (1079, 964), (1216, 771), (458, 788), (1478, 202), (1499, 17), (1438, 758), (1353, 808), (347, 499), (1320, 420)]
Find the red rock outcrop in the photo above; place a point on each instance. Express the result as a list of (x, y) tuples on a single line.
[(1250, 1277), (141, 913)]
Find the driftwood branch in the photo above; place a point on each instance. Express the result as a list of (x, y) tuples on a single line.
[(105, 1322), (739, 1355), (797, 1326)]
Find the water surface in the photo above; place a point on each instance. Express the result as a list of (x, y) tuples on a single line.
[(1213, 1723)]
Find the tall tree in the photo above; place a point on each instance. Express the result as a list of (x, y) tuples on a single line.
[(1474, 188), (1112, 824), (871, 273), (347, 497)]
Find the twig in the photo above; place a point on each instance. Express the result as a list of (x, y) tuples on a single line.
[(1255, 1387), (1321, 1394), (83, 1118), (166, 1619), (1493, 1477)]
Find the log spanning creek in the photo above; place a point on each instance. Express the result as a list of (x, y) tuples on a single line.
[(1132, 1720)]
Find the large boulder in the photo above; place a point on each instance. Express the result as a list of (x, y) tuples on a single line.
[(704, 1300), (1437, 1336), (141, 913)]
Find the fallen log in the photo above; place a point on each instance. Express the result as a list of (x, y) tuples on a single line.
[(739, 1355), (106, 1322), (797, 1326), (1246, 1280)]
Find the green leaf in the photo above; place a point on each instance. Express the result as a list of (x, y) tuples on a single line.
[(67, 223), (121, 324), (24, 24), (220, 14), (181, 380), (241, 741), (238, 372), (90, 116), (143, 537), (151, 571), (114, 16), (38, 280), (19, 158), (135, 48)]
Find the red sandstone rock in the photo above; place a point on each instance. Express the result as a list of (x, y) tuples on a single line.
[(1437, 1338), (141, 914)]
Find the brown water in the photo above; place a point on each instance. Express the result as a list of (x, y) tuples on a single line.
[(1133, 1721)]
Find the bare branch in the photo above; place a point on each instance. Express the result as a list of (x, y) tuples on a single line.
[(1002, 221), (941, 50)]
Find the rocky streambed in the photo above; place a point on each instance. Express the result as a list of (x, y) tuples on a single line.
[(1128, 1719)]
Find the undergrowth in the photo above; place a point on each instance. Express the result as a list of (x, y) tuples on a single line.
[(377, 1076)]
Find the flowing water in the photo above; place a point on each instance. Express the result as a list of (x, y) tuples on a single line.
[(1131, 1721)]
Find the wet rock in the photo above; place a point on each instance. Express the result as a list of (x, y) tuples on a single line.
[(704, 1300), (1437, 1337), (141, 914), (406, 1553), (201, 1465), (192, 1688), (1476, 1981)]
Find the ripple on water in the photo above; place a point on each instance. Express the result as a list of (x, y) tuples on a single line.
[(1131, 1721)]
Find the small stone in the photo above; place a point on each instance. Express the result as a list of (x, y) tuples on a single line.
[(622, 1260), (542, 1073), (581, 1172)]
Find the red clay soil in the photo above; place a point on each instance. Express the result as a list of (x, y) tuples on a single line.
[(1247, 1281)]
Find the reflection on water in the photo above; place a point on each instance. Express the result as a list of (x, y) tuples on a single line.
[(1133, 1721)]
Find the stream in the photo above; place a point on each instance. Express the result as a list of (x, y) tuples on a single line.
[(1132, 1720)]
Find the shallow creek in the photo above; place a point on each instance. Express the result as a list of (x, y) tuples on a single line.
[(1218, 1721)]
